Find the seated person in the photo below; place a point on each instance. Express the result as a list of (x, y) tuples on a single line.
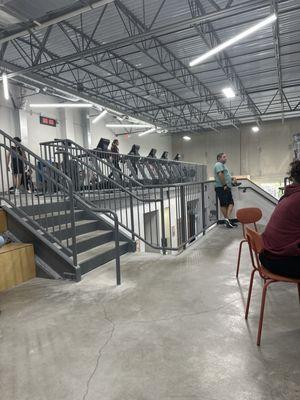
[(4, 239), (281, 237)]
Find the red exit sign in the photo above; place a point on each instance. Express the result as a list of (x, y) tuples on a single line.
[(47, 121)]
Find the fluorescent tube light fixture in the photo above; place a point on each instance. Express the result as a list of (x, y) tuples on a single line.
[(228, 92), (62, 105), (5, 86), (101, 115), (186, 138), (121, 126), (146, 132), (255, 129), (235, 39)]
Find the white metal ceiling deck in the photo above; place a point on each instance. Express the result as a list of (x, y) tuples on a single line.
[(134, 55)]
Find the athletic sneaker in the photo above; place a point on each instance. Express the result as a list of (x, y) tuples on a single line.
[(233, 223), (228, 224)]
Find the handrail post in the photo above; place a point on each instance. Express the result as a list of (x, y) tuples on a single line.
[(203, 208), (73, 226), (183, 215), (163, 226), (117, 246), (131, 211)]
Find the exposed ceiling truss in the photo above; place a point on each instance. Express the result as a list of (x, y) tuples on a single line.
[(133, 57)]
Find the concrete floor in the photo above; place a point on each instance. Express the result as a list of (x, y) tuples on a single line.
[(174, 330)]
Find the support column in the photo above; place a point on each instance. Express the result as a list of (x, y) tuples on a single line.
[(86, 129), (67, 124), (23, 127)]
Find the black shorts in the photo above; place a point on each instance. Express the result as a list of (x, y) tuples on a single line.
[(285, 266), (225, 196), (17, 166)]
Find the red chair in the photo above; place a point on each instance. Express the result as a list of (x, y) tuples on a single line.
[(256, 247), (246, 216)]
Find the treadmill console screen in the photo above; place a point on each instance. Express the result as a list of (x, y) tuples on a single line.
[(103, 144)]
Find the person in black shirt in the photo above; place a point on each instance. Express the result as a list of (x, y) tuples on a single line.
[(17, 165), (115, 156)]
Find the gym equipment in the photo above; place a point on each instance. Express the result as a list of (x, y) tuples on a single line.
[(152, 153), (296, 146), (103, 144), (132, 161)]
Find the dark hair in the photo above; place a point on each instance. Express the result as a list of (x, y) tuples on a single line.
[(295, 170), (115, 142), (17, 139), (219, 156)]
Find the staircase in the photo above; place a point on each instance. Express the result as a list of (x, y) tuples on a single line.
[(95, 238), (70, 235)]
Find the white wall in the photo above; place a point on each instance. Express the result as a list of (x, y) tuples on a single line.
[(69, 122), (264, 156), (8, 115)]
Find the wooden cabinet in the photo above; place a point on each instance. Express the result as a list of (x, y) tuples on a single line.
[(17, 264), (3, 222)]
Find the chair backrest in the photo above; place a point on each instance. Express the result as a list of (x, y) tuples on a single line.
[(249, 215), (255, 240)]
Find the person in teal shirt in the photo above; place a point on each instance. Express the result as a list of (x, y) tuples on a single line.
[(223, 184)]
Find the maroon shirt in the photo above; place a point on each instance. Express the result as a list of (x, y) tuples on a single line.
[(281, 237)]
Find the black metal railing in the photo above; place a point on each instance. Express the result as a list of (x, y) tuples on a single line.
[(45, 197), (145, 170), (163, 217), (153, 171)]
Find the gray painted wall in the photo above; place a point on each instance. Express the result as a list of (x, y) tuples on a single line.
[(264, 156)]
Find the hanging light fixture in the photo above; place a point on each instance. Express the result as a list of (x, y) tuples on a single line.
[(235, 39)]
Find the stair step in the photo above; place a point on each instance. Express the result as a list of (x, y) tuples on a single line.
[(57, 218), (100, 255), (88, 240), (65, 231)]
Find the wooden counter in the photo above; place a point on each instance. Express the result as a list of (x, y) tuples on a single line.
[(17, 264), (3, 222)]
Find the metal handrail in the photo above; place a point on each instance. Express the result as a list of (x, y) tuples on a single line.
[(163, 174), (90, 154), (93, 210), (48, 177), (147, 197), (56, 179), (121, 154), (269, 197)]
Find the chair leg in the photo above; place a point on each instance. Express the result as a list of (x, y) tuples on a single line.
[(249, 292), (262, 309), (239, 258)]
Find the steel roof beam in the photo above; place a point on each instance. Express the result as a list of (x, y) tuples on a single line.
[(130, 101), (99, 83), (45, 21), (211, 39), (162, 118), (276, 38), (84, 41), (165, 56), (171, 28), (149, 85)]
